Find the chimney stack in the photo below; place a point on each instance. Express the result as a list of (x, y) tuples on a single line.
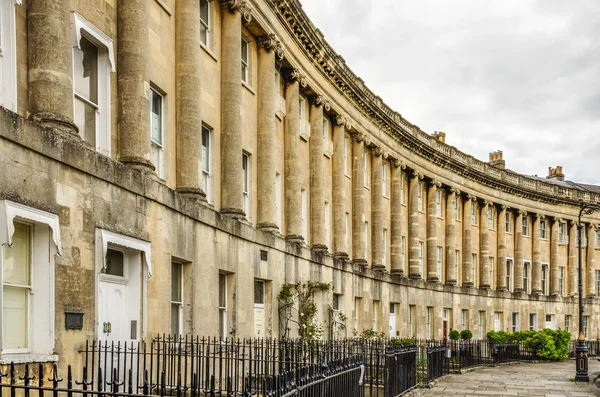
[(556, 173), (496, 160), (440, 136)]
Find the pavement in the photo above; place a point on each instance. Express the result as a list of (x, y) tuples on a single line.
[(553, 379)]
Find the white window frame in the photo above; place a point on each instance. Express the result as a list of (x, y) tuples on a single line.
[(525, 226), (481, 326), (597, 282), (543, 230), (278, 201), (491, 271), (438, 203), (327, 209), (428, 322), (516, 325), (403, 251), (384, 180), (106, 65), (346, 155), (490, 217), (179, 303), (45, 244), (247, 180), (304, 213), (563, 233), (347, 221), (207, 25), (597, 239), (376, 311), (456, 208), (545, 278), (421, 254), (366, 239), (420, 196), (510, 276), (245, 63), (586, 322), (223, 320), (402, 182), (160, 165), (508, 223), (527, 276), (366, 176), (474, 267), (439, 261), (207, 181), (385, 250), (567, 322), (473, 213), (497, 321), (411, 321), (464, 319), (8, 59), (561, 280), (533, 324), (457, 261)]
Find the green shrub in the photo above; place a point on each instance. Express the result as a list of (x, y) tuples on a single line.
[(466, 334), (454, 335), (548, 344)]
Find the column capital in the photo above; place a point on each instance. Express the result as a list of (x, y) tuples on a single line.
[(238, 5), (558, 220), (270, 42), (358, 137), (471, 197), (367, 139), (340, 119), (385, 155), (319, 100), (294, 74), (377, 151), (486, 203), (503, 207), (522, 212), (398, 164), (436, 183), (540, 216), (455, 190), (417, 174)]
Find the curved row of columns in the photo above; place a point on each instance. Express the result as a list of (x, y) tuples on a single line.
[(51, 103)]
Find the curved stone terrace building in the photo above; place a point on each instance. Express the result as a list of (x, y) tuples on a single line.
[(162, 162)]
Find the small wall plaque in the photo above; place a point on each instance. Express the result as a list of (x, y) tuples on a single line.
[(73, 320), (264, 255)]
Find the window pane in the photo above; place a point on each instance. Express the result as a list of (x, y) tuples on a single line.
[(17, 260), (14, 311), (175, 326), (259, 292), (114, 263), (176, 278), (85, 61), (84, 116), (244, 51), (204, 10), (205, 149), (222, 290), (156, 117)]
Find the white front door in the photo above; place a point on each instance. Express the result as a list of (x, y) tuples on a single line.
[(392, 325), (259, 321), (112, 311)]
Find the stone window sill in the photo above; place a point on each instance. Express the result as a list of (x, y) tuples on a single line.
[(209, 52), (247, 86), (27, 358)]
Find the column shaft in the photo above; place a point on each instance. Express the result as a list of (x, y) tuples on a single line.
[(50, 59), (188, 113), (338, 191), (293, 213), (414, 263), (377, 211), (358, 203), (266, 134), (519, 287), (317, 178), (554, 258), (432, 272), (484, 248), (501, 237), (536, 275), (589, 263), (396, 212), (573, 265), (451, 276), (133, 83), (468, 276), (231, 120)]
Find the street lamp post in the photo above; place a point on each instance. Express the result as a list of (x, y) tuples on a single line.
[(581, 352)]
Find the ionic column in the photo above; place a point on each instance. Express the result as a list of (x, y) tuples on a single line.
[(573, 265), (377, 210), (468, 276), (50, 58), (133, 83), (536, 256), (451, 276), (268, 47), (554, 257), (484, 247), (432, 272), (188, 105), (396, 212), (293, 212), (231, 103), (317, 177), (414, 267), (519, 251), (589, 264), (358, 201), (339, 193), (501, 237)]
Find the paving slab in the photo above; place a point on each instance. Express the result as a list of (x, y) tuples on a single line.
[(553, 379)]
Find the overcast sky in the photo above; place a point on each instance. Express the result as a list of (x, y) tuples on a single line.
[(512, 75)]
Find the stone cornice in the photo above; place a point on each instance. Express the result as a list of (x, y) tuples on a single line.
[(333, 67)]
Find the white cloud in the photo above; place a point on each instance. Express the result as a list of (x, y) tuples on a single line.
[(519, 76)]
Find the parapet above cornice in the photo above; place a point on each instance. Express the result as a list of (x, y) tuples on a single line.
[(330, 64)]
